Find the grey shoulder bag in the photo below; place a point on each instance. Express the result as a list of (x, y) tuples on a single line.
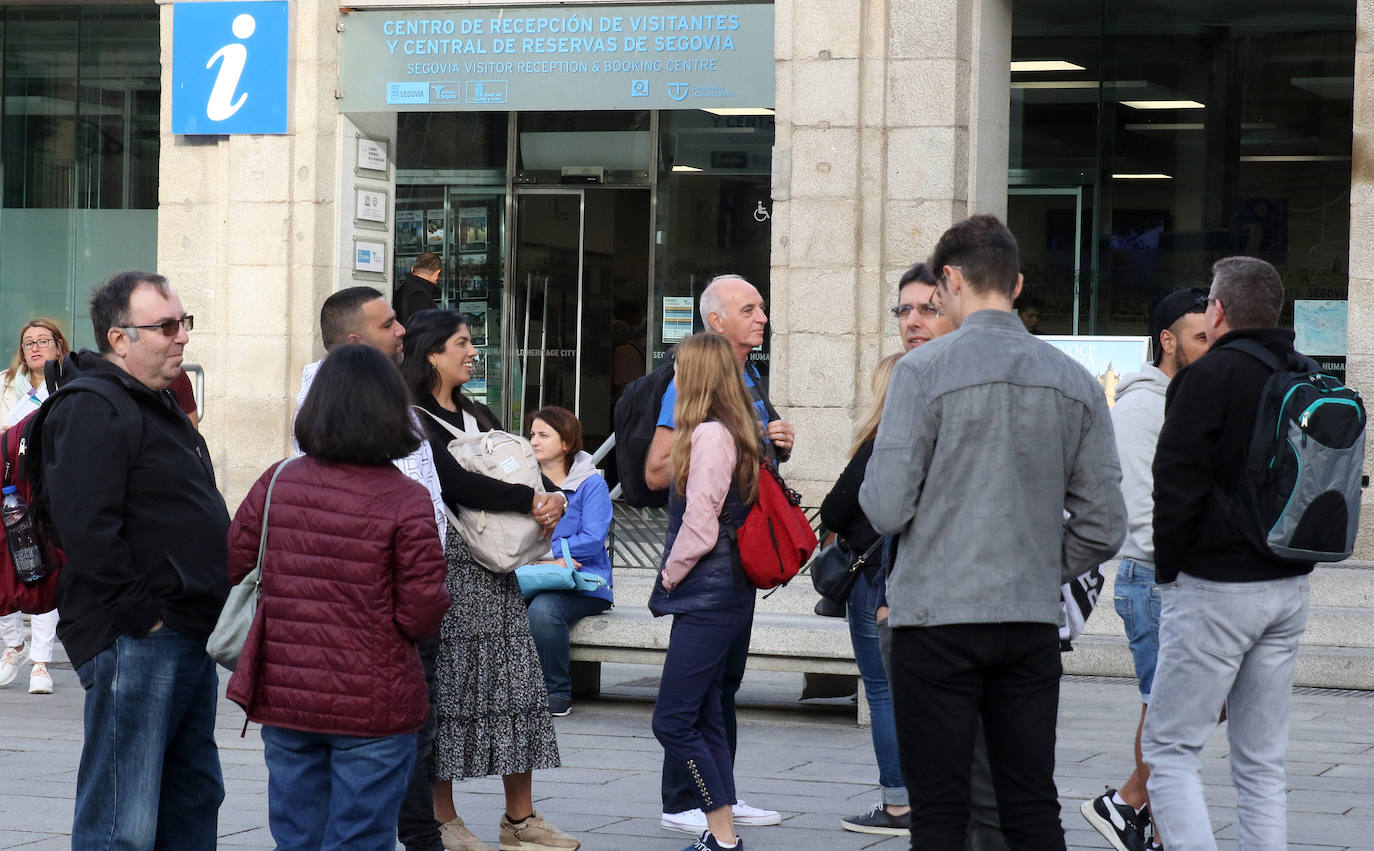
[(226, 640)]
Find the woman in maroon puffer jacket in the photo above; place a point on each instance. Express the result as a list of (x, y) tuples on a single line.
[(353, 576)]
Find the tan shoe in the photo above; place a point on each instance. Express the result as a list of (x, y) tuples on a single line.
[(457, 837), (534, 834)]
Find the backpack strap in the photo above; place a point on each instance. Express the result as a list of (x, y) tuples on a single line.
[(1299, 363)]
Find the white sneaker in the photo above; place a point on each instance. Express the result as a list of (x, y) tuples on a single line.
[(40, 681), (9, 665), (691, 821), (745, 814)]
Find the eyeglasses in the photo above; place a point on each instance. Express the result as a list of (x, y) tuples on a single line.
[(1211, 300), (36, 344), (943, 281), (929, 310), (168, 327)]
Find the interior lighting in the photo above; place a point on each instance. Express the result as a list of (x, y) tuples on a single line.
[(1029, 66), (685, 168), (1295, 158), (739, 110), (1143, 175), (1163, 104)]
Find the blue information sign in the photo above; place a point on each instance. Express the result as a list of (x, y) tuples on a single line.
[(229, 67)]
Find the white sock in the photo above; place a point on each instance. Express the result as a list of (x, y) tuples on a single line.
[(1116, 799), (723, 845)]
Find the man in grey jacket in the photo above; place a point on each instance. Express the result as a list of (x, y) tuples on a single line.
[(1179, 331), (989, 440)]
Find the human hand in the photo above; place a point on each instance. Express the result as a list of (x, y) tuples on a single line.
[(781, 434), (547, 510), (881, 613)]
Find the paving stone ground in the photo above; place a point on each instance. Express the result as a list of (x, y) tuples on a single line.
[(809, 761)]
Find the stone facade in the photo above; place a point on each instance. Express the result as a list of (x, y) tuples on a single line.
[(892, 123)]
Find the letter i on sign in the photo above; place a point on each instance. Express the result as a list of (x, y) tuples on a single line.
[(234, 57)]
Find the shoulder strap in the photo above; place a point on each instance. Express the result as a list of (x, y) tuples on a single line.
[(5, 453), (441, 421), (1256, 351), (267, 507)]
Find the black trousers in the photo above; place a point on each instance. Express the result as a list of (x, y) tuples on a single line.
[(944, 679), (416, 826)]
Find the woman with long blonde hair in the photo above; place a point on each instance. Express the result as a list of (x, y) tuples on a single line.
[(842, 514), (715, 469)]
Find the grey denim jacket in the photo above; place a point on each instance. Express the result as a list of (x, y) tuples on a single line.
[(989, 438)]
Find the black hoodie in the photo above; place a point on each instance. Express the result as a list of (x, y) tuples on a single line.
[(144, 533), (1209, 415)]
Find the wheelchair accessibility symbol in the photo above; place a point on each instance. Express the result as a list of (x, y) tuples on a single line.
[(760, 214)]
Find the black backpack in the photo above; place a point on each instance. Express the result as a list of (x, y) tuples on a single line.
[(1299, 495), (634, 420)]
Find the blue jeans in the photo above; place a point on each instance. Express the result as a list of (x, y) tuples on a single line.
[(1137, 601), (327, 791), (863, 632), (149, 774), (689, 711), (552, 614), (1232, 643)]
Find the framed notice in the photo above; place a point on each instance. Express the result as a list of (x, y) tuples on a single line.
[(371, 206), (369, 256), (476, 312), (472, 229), (372, 155), (677, 317), (434, 228), (410, 231)]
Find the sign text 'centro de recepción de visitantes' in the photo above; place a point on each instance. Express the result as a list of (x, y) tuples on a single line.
[(545, 57)]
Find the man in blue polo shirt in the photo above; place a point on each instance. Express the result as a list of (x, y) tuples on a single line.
[(733, 308)]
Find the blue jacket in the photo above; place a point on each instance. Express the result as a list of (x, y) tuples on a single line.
[(716, 583), (587, 522)]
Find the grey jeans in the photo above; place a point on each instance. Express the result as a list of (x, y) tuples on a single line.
[(1232, 643)]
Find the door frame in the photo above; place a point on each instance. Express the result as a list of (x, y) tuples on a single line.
[(1075, 192)]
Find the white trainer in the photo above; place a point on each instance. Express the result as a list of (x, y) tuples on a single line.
[(690, 821), (40, 681), (9, 664), (747, 815)]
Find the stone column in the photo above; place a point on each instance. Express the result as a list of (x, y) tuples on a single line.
[(247, 235), (1360, 330), (891, 117)]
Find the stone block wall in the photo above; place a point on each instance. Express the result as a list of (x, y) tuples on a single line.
[(1360, 330)]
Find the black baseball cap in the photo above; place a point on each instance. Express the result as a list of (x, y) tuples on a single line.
[(1170, 309)]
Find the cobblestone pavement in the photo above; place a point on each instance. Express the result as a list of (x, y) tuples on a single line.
[(809, 761)]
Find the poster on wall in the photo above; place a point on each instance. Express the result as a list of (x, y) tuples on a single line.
[(677, 317), (472, 276), (1106, 358), (410, 231), (472, 229), (476, 312), (434, 228), (1319, 327), (476, 385)]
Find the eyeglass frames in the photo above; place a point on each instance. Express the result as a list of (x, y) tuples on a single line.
[(36, 344), (168, 327), (929, 310)]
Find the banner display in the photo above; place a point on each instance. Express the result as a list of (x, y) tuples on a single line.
[(557, 57)]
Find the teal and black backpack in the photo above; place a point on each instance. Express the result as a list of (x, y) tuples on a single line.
[(1299, 496)]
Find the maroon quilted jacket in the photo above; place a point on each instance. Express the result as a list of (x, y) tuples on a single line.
[(353, 576)]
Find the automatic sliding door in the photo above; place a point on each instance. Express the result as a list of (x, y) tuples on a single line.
[(546, 306)]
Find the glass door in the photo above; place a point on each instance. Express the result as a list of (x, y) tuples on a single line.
[(1050, 227), (580, 274)]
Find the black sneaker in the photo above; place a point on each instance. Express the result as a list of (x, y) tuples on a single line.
[(1119, 824), (707, 842), (560, 708), (879, 820)]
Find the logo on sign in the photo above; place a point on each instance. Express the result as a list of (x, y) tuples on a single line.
[(677, 91), (229, 67), (487, 91), (639, 88), (444, 92), (407, 93)]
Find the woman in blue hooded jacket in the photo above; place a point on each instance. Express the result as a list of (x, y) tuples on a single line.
[(556, 436)]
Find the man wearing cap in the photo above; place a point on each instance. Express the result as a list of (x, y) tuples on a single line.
[(1179, 330)]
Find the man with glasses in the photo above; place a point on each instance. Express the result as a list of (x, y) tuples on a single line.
[(131, 491), (989, 440)]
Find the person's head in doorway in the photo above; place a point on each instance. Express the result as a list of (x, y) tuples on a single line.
[(733, 308), (919, 319), (1178, 327), (427, 266), (977, 267), (361, 315), (1246, 293), (1028, 310)]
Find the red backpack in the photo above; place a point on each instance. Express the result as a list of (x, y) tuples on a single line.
[(775, 539), (15, 595)]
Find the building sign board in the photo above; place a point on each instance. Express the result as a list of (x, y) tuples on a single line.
[(230, 67), (557, 57)]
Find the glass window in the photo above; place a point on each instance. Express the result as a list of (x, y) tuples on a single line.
[(1200, 130), (602, 148), (714, 207)]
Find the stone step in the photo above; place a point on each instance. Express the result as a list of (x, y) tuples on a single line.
[(1318, 666)]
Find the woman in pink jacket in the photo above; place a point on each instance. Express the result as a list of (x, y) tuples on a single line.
[(352, 577)]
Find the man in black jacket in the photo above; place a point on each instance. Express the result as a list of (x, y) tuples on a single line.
[(1232, 615), (132, 494), (420, 289)]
